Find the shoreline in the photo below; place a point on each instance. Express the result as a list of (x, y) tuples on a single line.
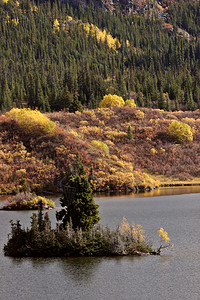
[(137, 190)]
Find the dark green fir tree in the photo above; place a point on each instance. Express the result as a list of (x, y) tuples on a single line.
[(130, 133), (78, 204)]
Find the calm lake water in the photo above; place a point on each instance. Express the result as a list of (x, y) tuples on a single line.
[(173, 275)]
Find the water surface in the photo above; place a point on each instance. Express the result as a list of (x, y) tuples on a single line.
[(174, 275)]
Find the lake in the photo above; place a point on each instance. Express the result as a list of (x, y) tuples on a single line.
[(174, 275)]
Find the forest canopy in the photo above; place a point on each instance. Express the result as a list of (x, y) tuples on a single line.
[(53, 52)]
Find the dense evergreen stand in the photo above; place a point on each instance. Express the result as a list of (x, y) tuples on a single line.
[(48, 61)]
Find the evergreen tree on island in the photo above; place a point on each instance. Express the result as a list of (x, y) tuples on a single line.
[(78, 203)]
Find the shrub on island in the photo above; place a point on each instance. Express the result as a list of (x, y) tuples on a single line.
[(41, 240), (27, 201)]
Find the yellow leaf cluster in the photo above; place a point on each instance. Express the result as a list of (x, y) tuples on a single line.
[(127, 43), (73, 132), (56, 26), (113, 134), (15, 21), (34, 8), (130, 103), (182, 132), (103, 36), (31, 121), (137, 232), (62, 150), (163, 235), (91, 113), (90, 130), (188, 120), (83, 123), (111, 101), (162, 150), (109, 143), (139, 115), (101, 145), (69, 18), (153, 151), (105, 113)]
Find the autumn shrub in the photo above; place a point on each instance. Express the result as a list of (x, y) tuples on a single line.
[(180, 131), (101, 145), (31, 121), (139, 115), (130, 102), (111, 101)]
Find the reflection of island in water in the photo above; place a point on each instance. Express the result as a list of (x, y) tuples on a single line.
[(162, 191)]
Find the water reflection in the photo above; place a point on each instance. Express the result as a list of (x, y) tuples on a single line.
[(80, 269), (162, 191)]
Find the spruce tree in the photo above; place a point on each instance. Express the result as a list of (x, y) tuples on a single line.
[(161, 100), (76, 105), (130, 134), (78, 204), (77, 201)]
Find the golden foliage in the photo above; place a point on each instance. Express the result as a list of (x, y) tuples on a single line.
[(182, 132), (56, 26), (113, 134), (144, 180), (90, 130), (91, 114), (111, 101), (31, 121), (83, 123), (109, 143), (127, 43), (73, 132), (69, 18), (105, 113), (139, 115), (163, 235), (130, 103), (153, 151), (101, 36), (190, 121), (137, 232), (101, 145), (15, 21), (162, 150), (164, 238)]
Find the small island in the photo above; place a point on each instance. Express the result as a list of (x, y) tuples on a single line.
[(27, 201), (78, 232)]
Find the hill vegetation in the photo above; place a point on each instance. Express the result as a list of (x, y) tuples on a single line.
[(59, 55), (121, 148)]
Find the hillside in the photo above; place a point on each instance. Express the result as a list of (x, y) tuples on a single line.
[(113, 159), (52, 52)]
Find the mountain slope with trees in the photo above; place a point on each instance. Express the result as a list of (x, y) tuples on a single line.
[(55, 55)]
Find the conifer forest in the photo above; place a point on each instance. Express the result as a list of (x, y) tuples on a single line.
[(56, 55)]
